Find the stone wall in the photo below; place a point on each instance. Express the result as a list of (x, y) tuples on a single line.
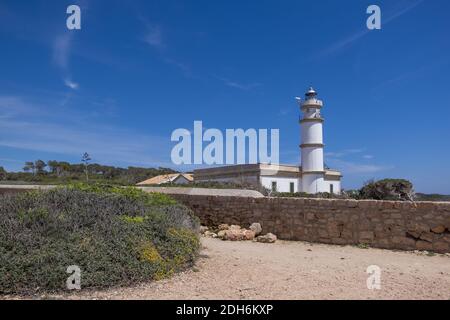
[(382, 224)]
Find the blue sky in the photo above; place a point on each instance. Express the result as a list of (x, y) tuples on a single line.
[(137, 70)]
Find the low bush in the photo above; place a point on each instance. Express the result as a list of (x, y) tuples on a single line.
[(388, 189), (116, 236)]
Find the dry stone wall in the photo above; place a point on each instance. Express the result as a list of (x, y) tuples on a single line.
[(382, 224)]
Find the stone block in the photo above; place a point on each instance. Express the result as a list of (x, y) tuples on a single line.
[(427, 236), (423, 245), (441, 247), (366, 236), (438, 229)]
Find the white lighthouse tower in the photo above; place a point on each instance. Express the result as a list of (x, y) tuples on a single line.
[(313, 172)]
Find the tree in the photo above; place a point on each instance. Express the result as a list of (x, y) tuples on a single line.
[(29, 166), (85, 159), (39, 166), (3, 173), (53, 166)]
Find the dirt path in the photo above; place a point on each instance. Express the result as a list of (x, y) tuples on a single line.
[(295, 270)]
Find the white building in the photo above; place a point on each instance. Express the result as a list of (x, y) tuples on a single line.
[(310, 177)]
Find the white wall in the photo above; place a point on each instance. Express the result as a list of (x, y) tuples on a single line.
[(312, 159), (248, 179), (314, 183), (283, 184), (311, 132), (336, 186)]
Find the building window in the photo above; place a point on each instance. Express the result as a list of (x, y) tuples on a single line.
[(291, 187), (331, 188), (274, 186)]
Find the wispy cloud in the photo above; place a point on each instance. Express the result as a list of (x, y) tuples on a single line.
[(152, 33), (154, 37), (238, 85), (349, 167), (284, 112), (411, 74), (62, 47), (346, 152), (349, 40), (21, 129), (347, 161), (11, 160), (183, 67), (61, 50), (72, 85)]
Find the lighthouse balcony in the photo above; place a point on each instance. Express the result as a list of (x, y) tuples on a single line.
[(312, 103), (312, 119)]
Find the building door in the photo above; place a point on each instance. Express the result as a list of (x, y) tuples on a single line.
[(331, 188), (291, 187)]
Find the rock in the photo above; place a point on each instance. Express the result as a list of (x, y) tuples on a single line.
[(221, 234), (236, 233), (203, 229), (268, 238), (423, 245), (427, 236), (249, 234), (223, 227), (413, 234), (233, 235), (256, 228), (210, 234), (438, 229), (440, 246)]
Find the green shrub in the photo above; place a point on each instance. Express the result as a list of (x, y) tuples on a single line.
[(117, 236), (387, 189)]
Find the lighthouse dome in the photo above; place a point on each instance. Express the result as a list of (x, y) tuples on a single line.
[(311, 92)]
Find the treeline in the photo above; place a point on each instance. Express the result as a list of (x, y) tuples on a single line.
[(54, 171)]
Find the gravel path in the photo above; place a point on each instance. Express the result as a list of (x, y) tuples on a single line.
[(294, 270)]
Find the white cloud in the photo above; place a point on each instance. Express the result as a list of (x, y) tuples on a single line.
[(343, 153), (61, 50), (348, 41), (340, 160), (349, 167), (238, 85), (62, 47), (154, 37), (72, 85)]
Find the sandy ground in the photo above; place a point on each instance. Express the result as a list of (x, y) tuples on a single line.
[(294, 270)]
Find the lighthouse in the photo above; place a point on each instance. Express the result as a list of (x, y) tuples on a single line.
[(311, 177), (311, 124)]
